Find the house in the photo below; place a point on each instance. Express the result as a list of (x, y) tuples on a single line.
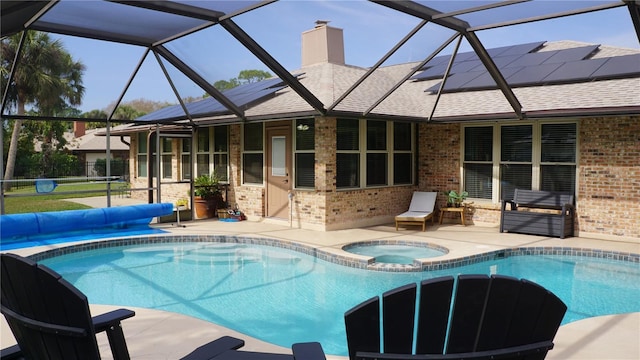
[(89, 147), (578, 131)]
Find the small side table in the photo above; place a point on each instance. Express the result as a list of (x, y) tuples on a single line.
[(177, 209), (453, 209)]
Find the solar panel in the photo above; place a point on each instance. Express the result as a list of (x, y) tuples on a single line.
[(464, 66), (532, 59), (521, 67), (618, 66), (466, 56), (439, 60), (436, 72), (456, 81), (532, 74), (522, 49), (240, 95), (503, 61), (165, 113), (575, 71), (485, 81), (573, 54)]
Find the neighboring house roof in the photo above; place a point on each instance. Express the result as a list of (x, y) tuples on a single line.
[(414, 99), (91, 141)]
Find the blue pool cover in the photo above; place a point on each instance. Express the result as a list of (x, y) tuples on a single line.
[(34, 229)]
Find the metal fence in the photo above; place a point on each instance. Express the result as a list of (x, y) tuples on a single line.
[(90, 170)]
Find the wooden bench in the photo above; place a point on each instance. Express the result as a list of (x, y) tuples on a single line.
[(475, 317), (555, 219)]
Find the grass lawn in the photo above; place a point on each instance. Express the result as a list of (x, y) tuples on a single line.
[(52, 201)]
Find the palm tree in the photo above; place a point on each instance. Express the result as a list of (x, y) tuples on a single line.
[(46, 77)]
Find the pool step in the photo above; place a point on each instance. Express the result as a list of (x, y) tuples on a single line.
[(216, 253), (219, 259)]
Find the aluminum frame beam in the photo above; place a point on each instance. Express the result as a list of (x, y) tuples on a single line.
[(272, 64), (199, 80)]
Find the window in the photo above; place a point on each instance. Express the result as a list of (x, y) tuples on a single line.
[(253, 156), (212, 152), (185, 159), (166, 156), (478, 161), (374, 153), (221, 152), (515, 159), (348, 154), (377, 153), (305, 154), (402, 154), (539, 156), (142, 154), (202, 152), (558, 157)]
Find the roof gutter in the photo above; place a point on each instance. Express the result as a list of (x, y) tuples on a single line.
[(546, 114)]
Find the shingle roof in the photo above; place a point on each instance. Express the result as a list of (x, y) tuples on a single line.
[(92, 142), (328, 81)]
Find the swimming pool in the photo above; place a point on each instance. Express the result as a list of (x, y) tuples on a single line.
[(405, 252), (284, 296)]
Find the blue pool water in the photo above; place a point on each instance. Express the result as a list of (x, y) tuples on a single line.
[(394, 253), (78, 235), (282, 296)]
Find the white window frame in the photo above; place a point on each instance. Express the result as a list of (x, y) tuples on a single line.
[(211, 152), (389, 151), (536, 149)]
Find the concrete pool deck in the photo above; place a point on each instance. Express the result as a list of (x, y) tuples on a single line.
[(155, 334)]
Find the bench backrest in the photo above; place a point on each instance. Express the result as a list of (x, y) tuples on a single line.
[(542, 199), (478, 313)]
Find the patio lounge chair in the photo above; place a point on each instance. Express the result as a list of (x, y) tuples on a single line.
[(50, 318), (420, 210), (495, 317)]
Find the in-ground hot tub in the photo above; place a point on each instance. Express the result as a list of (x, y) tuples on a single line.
[(404, 252)]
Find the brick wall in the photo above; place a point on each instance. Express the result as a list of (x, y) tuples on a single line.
[(609, 176), (608, 193)]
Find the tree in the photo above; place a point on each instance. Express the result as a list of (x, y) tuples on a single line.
[(244, 77), (223, 85), (251, 76), (46, 78)]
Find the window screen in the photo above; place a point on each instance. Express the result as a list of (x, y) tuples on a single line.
[(516, 143), (142, 154), (558, 143), (376, 135), (305, 170), (376, 169), (305, 154), (347, 134), (348, 170), (252, 168)]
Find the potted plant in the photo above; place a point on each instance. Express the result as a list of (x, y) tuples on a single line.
[(207, 196), (182, 203), (455, 199)]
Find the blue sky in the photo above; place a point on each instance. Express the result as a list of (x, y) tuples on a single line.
[(370, 31)]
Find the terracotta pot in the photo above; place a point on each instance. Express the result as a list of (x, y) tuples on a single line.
[(205, 208)]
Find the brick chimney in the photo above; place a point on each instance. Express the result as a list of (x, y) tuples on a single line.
[(322, 44), (79, 128)]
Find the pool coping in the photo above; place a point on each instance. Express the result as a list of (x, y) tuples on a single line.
[(342, 257)]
